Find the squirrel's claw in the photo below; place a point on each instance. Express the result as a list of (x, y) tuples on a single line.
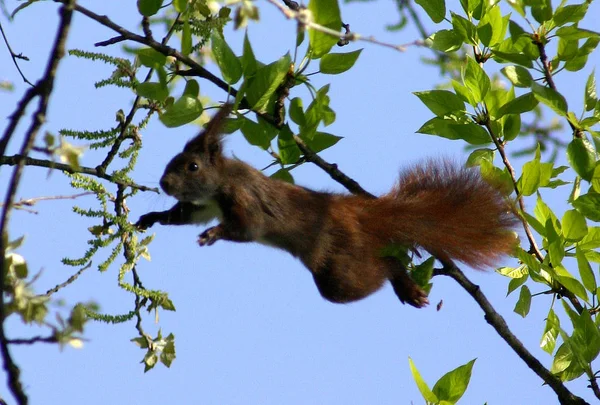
[(209, 236)]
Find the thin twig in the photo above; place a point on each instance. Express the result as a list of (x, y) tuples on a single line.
[(15, 56), (43, 88), (511, 171), (499, 324), (302, 18), (69, 281), (537, 40), (533, 247), (30, 202), (331, 169), (116, 146), (28, 161), (32, 340)]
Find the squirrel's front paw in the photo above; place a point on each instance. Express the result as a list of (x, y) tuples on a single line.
[(210, 236), (146, 221)]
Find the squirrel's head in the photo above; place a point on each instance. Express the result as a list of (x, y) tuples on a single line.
[(194, 174)]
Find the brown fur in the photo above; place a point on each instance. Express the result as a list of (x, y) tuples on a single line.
[(451, 212)]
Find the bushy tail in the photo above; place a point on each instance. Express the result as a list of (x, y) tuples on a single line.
[(451, 212)]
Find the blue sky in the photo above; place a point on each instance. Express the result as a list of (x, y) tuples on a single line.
[(250, 325)]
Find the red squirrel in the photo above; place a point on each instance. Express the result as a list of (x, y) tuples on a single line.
[(448, 211)]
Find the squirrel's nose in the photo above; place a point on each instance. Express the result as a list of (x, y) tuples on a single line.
[(165, 184)]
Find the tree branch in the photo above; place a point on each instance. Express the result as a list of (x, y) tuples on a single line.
[(14, 57), (538, 41), (303, 19), (69, 281), (28, 161), (43, 88), (32, 340), (499, 324), (331, 169)]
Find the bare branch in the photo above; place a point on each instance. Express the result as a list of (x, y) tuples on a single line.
[(303, 19), (30, 202), (69, 281), (28, 161), (15, 56), (43, 88), (499, 324), (331, 169), (538, 41), (32, 340)]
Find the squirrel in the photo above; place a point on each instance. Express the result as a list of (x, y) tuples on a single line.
[(449, 211)]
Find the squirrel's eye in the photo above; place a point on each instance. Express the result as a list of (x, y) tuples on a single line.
[(192, 167)]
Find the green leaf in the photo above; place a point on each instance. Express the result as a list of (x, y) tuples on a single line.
[(192, 88), (582, 157), (186, 38), (511, 126), (148, 7), (524, 303), (472, 133), (336, 63), (548, 342), (265, 81), (570, 283), (435, 9), (587, 337), (327, 14), (453, 384), (518, 76), (248, 59), (464, 93), (446, 41), (151, 58), (541, 11), (422, 274), (289, 152), (591, 240), (572, 32), (519, 105), (168, 352), (596, 178), (476, 80), (152, 91), (567, 49), (228, 63), (478, 155), (491, 28), (574, 226), (428, 395), (585, 272), (514, 57), (591, 97), (572, 13), (321, 141), (515, 283), (441, 102), (551, 98), (530, 179), (296, 112), (283, 174), (589, 205), (180, 5), (185, 110), (256, 133), (464, 28), (514, 273)]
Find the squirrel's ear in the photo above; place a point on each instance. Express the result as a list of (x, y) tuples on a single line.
[(209, 141)]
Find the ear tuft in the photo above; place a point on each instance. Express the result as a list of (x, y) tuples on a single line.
[(209, 140)]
